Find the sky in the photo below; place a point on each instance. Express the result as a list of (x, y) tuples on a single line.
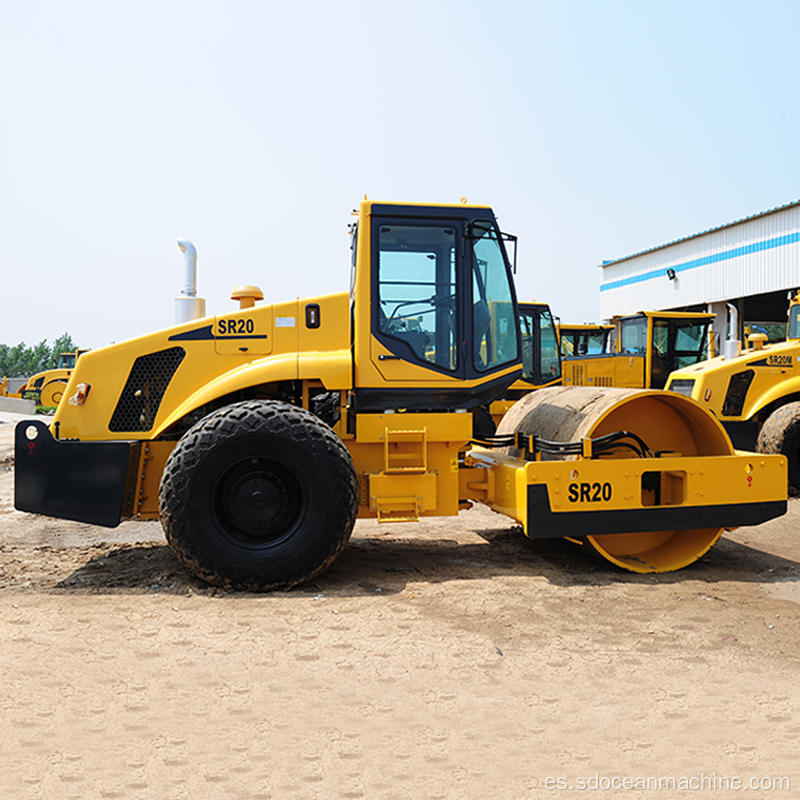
[(594, 130)]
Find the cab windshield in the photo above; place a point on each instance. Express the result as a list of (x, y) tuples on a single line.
[(681, 342), (494, 326), (690, 344)]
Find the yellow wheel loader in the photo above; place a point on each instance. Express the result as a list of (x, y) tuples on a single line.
[(755, 392), (648, 346), (47, 388), (260, 435)]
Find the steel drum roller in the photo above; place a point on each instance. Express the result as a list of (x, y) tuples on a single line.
[(664, 420)]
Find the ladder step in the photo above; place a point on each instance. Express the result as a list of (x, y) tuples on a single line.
[(405, 450), (397, 509)]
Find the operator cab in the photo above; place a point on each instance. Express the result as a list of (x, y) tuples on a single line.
[(541, 361), (677, 343), (67, 360), (674, 340), (442, 317)]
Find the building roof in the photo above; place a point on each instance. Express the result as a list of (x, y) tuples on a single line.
[(703, 233)]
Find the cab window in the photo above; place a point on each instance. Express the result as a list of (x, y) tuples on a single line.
[(690, 343), (596, 342), (417, 290), (527, 330), (540, 347), (550, 362), (494, 324), (633, 335), (659, 364)]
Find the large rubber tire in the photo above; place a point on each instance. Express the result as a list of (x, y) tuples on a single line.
[(781, 434), (258, 495)]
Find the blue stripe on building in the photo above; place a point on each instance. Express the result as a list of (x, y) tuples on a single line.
[(767, 244)]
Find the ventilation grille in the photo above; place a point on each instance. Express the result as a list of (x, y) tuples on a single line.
[(148, 380), (737, 392)]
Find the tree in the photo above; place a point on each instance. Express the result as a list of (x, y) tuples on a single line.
[(21, 361), (63, 344)]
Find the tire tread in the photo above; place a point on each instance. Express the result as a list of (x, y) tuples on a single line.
[(780, 434), (227, 425)]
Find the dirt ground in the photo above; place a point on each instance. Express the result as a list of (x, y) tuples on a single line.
[(449, 659)]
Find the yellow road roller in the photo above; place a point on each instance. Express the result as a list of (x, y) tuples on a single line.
[(260, 435), (754, 392), (47, 388)]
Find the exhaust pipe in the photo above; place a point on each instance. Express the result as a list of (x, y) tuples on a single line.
[(732, 346), (188, 306)]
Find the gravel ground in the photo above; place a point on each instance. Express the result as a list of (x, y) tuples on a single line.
[(449, 659)]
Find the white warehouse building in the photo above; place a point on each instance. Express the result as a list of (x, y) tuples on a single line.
[(753, 264)]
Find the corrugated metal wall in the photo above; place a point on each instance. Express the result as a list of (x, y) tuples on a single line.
[(757, 255)]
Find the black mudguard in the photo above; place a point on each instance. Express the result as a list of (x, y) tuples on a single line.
[(544, 523), (744, 435), (90, 482)]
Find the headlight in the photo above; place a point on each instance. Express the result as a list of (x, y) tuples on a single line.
[(79, 398), (681, 386)]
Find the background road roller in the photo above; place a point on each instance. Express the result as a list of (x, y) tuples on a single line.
[(260, 435), (47, 388), (755, 393)]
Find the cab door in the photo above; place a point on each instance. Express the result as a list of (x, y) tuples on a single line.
[(416, 311), (433, 308), (541, 361), (631, 361)]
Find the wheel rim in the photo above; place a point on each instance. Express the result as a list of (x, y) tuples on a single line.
[(259, 500), (52, 393)]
